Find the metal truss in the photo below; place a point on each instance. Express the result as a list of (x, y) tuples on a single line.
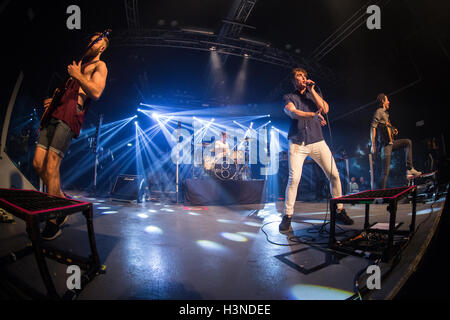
[(235, 22), (207, 41), (132, 13)]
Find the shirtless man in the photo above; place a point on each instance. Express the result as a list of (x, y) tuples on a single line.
[(88, 79)]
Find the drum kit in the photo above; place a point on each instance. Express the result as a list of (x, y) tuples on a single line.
[(231, 165)]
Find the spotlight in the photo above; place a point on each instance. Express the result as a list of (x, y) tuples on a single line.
[(135, 116), (246, 55), (136, 123), (129, 144), (268, 115), (154, 115), (213, 48), (139, 110)]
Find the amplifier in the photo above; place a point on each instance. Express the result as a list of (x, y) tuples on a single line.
[(128, 187)]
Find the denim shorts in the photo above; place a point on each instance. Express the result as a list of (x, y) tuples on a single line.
[(56, 136)]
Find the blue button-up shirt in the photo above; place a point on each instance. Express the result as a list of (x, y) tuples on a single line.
[(306, 130)]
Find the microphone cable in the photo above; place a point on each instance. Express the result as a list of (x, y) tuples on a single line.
[(322, 227)]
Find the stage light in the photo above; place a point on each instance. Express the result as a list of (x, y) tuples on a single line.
[(135, 116), (251, 125), (268, 115), (213, 48), (154, 115), (139, 110), (246, 55), (136, 123), (129, 144)]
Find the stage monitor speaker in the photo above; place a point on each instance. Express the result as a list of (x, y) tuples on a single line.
[(128, 187)]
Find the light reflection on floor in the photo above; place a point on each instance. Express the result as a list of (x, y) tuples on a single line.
[(153, 229), (314, 292), (109, 212), (253, 224), (248, 234), (314, 221), (233, 236), (194, 213), (226, 221), (211, 245), (311, 213), (424, 211)]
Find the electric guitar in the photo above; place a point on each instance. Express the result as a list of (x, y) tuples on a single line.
[(391, 132), (59, 92)]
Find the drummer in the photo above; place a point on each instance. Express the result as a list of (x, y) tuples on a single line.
[(222, 148)]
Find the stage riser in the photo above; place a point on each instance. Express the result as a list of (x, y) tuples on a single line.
[(212, 191)]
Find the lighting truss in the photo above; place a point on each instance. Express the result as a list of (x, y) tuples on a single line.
[(242, 47)]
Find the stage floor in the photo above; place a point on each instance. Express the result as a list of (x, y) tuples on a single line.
[(168, 251)]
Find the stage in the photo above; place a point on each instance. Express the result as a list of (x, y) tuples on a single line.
[(154, 250)]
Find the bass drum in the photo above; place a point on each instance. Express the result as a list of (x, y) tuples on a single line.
[(208, 163), (225, 170)]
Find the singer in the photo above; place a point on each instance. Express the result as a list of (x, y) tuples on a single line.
[(305, 108)]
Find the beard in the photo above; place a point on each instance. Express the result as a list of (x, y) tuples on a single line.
[(91, 53)]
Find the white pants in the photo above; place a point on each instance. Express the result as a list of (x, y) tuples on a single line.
[(321, 154)]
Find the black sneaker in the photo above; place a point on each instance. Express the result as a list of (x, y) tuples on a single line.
[(51, 231), (285, 223), (342, 217), (61, 220)]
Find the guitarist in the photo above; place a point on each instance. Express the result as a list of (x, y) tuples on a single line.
[(387, 143), (87, 81)]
